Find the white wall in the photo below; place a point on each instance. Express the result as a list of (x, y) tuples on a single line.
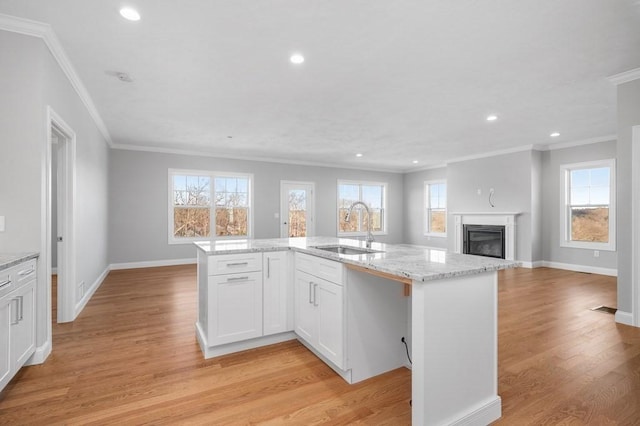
[(139, 209), (414, 208), (510, 176), (551, 182), (32, 80), (628, 116)]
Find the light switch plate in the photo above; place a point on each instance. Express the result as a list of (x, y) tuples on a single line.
[(1, 223)]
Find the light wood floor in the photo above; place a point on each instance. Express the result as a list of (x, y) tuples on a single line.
[(132, 358)]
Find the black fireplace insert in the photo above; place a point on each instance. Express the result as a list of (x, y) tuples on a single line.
[(484, 240)]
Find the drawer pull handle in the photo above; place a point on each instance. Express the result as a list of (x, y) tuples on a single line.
[(310, 287), (26, 272), (15, 315), (237, 279), (315, 296), (238, 264), (5, 283)]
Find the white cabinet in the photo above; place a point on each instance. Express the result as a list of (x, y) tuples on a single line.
[(17, 318), (276, 293), (245, 300), (23, 339), (320, 307), (234, 298)]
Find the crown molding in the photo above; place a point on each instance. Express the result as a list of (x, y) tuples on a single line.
[(562, 145), (196, 153), (45, 32), (492, 154), (625, 77)]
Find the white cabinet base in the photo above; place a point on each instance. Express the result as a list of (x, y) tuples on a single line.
[(213, 351)]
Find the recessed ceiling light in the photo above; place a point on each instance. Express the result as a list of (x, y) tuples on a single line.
[(296, 58), (415, 161), (554, 134), (130, 14), (358, 155), (492, 117)]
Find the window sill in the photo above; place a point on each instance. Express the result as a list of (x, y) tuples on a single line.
[(436, 235), (588, 246), (359, 234)]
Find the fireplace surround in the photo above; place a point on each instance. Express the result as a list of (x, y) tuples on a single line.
[(505, 219)]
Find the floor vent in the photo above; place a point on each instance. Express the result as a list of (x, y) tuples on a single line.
[(606, 309)]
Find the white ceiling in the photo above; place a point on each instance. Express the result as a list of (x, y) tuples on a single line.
[(396, 80)]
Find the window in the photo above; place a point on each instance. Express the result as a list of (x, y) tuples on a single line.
[(199, 198), (588, 205), (370, 193), (435, 195)]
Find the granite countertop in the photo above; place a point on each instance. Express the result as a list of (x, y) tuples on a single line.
[(403, 260), (7, 260)]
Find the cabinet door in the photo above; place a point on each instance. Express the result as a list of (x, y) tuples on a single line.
[(235, 307), (5, 315), (23, 341), (305, 312), (275, 275), (331, 322)]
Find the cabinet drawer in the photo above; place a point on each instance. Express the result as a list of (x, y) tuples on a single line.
[(25, 272), (322, 268), (234, 263), (6, 281)]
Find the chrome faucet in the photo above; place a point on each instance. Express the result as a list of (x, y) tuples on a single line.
[(369, 233)]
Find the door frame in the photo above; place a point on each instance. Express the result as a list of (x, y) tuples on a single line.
[(66, 214), (284, 212), (635, 224)]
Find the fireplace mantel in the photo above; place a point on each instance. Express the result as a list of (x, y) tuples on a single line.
[(507, 219)]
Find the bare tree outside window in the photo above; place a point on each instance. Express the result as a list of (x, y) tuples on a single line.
[(297, 213), (197, 199), (370, 194), (191, 201)]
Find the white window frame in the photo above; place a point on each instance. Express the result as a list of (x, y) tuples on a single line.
[(212, 208), (427, 210), (384, 207), (565, 201)]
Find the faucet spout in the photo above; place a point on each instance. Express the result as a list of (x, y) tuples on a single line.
[(369, 239)]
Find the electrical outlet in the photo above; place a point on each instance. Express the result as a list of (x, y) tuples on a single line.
[(596, 253), (479, 191)]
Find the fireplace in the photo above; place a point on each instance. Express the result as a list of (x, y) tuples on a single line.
[(484, 240)]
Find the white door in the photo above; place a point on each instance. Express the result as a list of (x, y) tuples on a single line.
[(297, 214), (235, 303), (275, 285), (330, 322), (305, 312)]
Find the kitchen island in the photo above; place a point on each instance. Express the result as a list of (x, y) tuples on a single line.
[(352, 307)]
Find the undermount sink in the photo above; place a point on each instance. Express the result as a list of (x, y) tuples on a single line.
[(346, 249)]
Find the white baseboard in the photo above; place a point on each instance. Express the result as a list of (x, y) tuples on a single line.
[(625, 318), (153, 263), (87, 296), (530, 265), (41, 354), (581, 268), (483, 415), (54, 271)]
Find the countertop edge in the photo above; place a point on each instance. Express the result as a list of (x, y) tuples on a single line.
[(16, 259), (330, 256)]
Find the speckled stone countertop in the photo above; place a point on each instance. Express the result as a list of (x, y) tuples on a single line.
[(403, 260), (7, 260)]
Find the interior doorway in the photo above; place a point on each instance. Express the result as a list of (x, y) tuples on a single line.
[(60, 205), (297, 209)]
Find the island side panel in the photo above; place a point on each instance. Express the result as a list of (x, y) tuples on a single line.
[(454, 348), (202, 320)]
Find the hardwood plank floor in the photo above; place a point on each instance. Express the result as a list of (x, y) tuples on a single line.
[(131, 358)]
